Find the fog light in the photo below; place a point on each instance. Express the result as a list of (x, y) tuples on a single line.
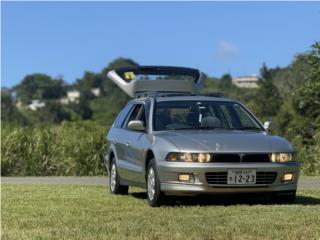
[(185, 177), (287, 177)]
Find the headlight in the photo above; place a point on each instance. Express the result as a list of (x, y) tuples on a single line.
[(189, 157), (281, 157)]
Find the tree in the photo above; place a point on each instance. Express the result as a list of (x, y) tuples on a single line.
[(53, 113), (9, 112), (88, 81), (299, 116), (39, 86), (83, 109), (268, 99), (289, 78), (225, 82), (304, 121), (307, 97)]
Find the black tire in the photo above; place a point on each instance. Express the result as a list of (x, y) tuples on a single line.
[(285, 197), (115, 187), (156, 199)]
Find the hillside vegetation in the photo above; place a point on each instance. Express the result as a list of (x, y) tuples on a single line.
[(68, 139)]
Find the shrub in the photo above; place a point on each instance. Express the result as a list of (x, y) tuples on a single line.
[(309, 155), (73, 148)]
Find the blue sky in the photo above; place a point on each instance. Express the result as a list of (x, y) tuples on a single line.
[(67, 38)]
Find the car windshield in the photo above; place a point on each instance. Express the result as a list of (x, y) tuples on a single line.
[(178, 115)]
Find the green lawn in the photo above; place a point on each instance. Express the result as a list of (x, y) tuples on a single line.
[(306, 177), (90, 212)]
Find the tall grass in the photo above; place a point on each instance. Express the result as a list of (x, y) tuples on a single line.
[(78, 148), (68, 149)]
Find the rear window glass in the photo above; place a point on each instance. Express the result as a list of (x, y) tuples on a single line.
[(122, 115)]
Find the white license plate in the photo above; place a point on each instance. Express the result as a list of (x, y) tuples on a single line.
[(241, 176)]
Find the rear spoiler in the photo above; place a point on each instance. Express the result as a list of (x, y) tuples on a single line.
[(135, 80)]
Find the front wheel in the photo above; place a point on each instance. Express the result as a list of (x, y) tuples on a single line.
[(114, 181), (154, 194)]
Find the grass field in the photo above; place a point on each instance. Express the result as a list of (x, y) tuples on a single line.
[(90, 212)]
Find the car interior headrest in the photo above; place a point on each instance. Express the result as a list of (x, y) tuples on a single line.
[(211, 122)]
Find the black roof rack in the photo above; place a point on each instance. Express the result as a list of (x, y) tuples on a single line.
[(161, 94), (212, 94), (174, 94)]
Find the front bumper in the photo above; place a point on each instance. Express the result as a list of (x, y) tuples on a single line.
[(168, 174)]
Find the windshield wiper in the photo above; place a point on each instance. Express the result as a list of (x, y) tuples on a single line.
[(192, 128), (185, 128), (249, 128), (207, 127)]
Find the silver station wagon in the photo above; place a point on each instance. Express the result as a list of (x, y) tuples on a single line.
[(171, 140)]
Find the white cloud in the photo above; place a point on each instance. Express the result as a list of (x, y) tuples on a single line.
[(226, 50)]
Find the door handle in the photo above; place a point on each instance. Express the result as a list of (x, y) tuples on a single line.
[(115, 141), (127, 143)]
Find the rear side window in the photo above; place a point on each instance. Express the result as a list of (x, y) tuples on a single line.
[(122, 115)]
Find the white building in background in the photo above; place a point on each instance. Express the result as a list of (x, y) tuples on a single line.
[(246, 82), (19, 104), (72, 96), (64, 100), (96, 91), (35, 104)]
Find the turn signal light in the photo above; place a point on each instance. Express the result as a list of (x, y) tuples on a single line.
[(185, 177), (287, 177)]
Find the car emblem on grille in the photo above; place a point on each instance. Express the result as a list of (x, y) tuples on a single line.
[(241, 156)]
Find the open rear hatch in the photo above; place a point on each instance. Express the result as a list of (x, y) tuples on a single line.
[(136, 80)]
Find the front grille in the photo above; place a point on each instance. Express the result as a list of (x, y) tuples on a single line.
[(236, 158), (252, 158), (226, 158), (266, 177), (217, 177), (221, 177)]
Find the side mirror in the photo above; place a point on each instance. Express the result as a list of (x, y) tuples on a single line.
[(136, 125), (269, 126)]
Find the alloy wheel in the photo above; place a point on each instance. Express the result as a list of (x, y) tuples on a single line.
[(113, 177), (151, 184)]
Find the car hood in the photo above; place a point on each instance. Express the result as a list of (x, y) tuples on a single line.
[(225, 141)]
